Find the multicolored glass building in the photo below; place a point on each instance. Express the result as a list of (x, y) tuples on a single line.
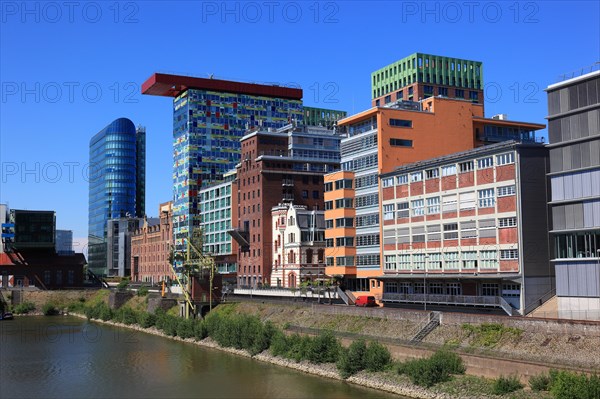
[(210, 116)]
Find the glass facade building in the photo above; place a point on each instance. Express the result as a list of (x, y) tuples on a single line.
[(207, 127), (116, 184)]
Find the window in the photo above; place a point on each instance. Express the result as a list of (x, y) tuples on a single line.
[(328, 187), (483, 163), (433, 205), (390, 287), (315, 194), (402, 179), (450, 231), (401, 142), (344, 261), (416, 176), (443, 91), (506, 190), (419, 261), (488, 289), (404, 262), (465, 166), (435, 261), (367, 260), (328, 205), (344, 242), (343, 222), (418, 207), (329, 223), (400, 123), (469, 259), (387, 99), (402, 210), (344, 183), (467, 201), (390, 262), (459, 93), (388, 212), (432, 173), (507, 222), (367, 240), (453, 289), (367, 200), (343, 203), (504, 159), (451, 260), (433, 232), (468, 229), (486, 198), (387, 182), (366, 181), (329, 242), (511, 290), (449, 170), (291, 237), (436, 288), (509, 254), (371, 219), (489, 259), (449, 203), (329, 261)]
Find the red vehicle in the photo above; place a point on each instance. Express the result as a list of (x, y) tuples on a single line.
[(365, 301)]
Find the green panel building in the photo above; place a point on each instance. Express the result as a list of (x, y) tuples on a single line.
[(322, 116), (419, 76)]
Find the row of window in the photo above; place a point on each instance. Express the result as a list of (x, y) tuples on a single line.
[(359, 260), (483, 228), (434, 288), (484, 259), (447, 203), (450, 170)]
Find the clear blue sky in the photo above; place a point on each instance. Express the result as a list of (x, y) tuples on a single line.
[(67, 71)]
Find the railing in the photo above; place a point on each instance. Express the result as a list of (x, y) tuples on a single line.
[(579, 72), (343, 296), (506, 306), (464, 300), (284, 292), (540, 301), (422, 323)]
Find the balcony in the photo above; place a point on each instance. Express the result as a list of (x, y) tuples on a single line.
[(451, 300)]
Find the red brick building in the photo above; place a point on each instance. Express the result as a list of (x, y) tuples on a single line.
[(286, 165), (151, 248), (469, 228)]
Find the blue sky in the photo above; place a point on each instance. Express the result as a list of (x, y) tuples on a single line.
[(69, 69)]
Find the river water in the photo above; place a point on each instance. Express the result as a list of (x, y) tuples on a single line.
[(67, 357)]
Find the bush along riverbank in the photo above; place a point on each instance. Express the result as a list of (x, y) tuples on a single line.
[(364, 363)]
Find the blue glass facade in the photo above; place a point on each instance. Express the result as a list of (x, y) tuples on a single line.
[(207, 127), (116, 184)]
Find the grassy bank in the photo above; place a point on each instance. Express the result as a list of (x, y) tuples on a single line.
[(365, 363)]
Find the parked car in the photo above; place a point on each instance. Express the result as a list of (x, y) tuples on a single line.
[(365, 301)]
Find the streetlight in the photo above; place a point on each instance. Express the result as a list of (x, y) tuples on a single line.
[(425, 283)]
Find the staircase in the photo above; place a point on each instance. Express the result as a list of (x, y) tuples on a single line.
[(426, 327), (348, 300), (548, 310)]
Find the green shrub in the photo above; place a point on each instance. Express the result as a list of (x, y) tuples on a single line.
[(540, 382), (185, 328), (450, 361), (489, 334), (123, 284), (504, 385), (105, 312), (279, 344), (433, 370), (146, 319), (128, 316), (200, 330), (324, 348), (142, 291), (377, 357), (24, 308), (569, 385), (352, 360), (299, 347), (49, 309)]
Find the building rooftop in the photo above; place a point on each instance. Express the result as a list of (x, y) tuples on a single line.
[(167, 85), (574, 77)]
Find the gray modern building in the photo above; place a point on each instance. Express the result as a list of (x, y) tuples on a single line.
[(64, 242), (119, 232), (574, 130), (117, 185), (3, 222)]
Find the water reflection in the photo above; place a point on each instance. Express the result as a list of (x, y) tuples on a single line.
[(65, 357)]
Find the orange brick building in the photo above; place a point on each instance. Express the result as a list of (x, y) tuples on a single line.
[(378, 141)]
